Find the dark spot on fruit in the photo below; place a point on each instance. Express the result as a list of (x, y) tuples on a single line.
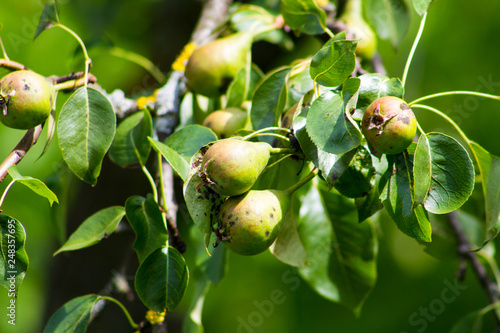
[(237, 218), (223, 214), (267, 233), (26, 87), (274, 209), (247, 212), (404, 118), (232, 223), (200, 197), (260, 221), (271, 215), (229, 216), (404, 106)]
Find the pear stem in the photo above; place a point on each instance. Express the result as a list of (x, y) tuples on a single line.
[(455, 92), (414, 48), (282, 151), (277, 162), (5, 193), (303, 181), (272, 134), (249, 136)]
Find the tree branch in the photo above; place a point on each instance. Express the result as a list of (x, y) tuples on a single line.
[(168, 101), (12, 65), (464, 250), (17, 154)]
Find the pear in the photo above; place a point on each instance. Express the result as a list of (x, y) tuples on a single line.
[(356, 25), (251, 222), (232, 166), (389, 125), (288, 117), (25, 99), (226, 122), (212, 66)]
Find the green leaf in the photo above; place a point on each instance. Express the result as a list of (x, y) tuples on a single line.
[(189, 139), (452, 175), (422, 170), (390, 18), (98, 226), (192, 321), (288, 247), (209, 269), (334, 63), (341, 252), (178, 163), (251, 18), (73, 316), (422, 6), (489, 168), (374, 86), (352, 264), (86, 128), (332, 166), (356, 180), (316, 233), (130, 146), (202, 202), (398, 201), (299, 83), (371, 203), (13, 260), (48, 19), (145, 218), (269, 99), (161, 279), (33, 184), (50, 124), (243, 85), (329, 127), (304, 15)]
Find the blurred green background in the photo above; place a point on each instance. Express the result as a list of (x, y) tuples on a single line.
[(458, 51)]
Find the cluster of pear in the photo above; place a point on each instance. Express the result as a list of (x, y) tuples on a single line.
[(249, 220), (25, 99), (210, 69)]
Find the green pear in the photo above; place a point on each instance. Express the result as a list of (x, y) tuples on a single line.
[(212, 66), (232, 166), (251, 222), (357, 26), (226, 122), (25, 99)]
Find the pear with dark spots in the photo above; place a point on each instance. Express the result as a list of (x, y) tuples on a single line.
[(232, 166), (256, 219), (226, 122), (212, 66), (389, 125), (25, 99)]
